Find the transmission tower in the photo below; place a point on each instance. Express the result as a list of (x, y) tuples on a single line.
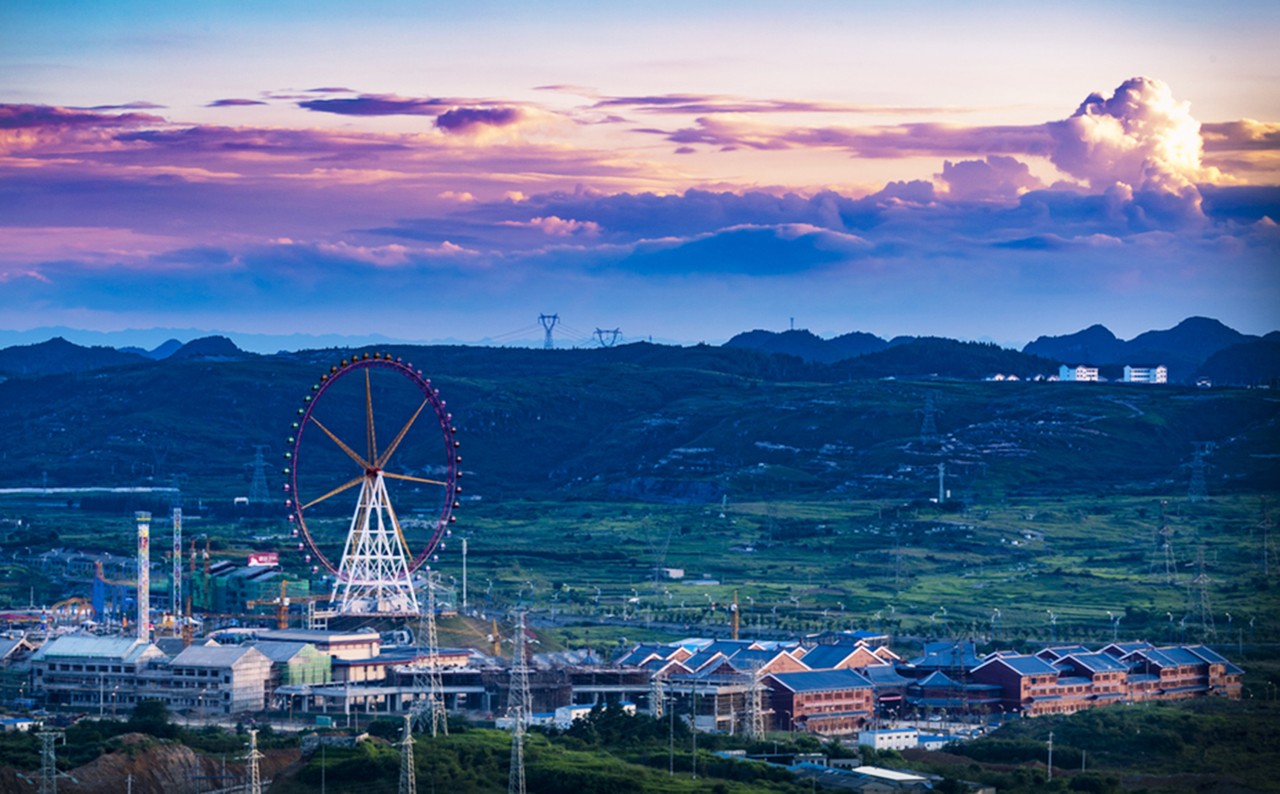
[(431, 707), (258, 484), (518, 708), (408, 775), (656, 696), (1162, 553), (1265, 526), (254, 784), (49, 760), (548, 322), (1196, 490), (1201, 586), (929, 425), (607, 338)]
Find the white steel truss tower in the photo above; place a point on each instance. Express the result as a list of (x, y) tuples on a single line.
[(373, 577), (144, 576), (254, 784), (408, 774), (427, 679), (519, 708), (755, 705)]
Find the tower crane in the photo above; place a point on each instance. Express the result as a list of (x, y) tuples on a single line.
[(282, 602)]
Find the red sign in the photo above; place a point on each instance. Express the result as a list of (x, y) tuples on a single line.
[(264, 559)]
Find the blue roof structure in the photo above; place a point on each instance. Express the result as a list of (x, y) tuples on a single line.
[(883, 675), (948, 655), (1059, 651), (821, 680), (1094, 662), (1024, 665), (826, 657)]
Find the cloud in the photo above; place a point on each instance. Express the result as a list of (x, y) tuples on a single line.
[(903, 140), (234, 103), (559, 227), (785, 249), (996, 177), (379, 105), (707, 104), (137, 105), (1140, 136), (44, 116), (469, 119)]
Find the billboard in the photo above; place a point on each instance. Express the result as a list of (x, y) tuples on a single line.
[(264, 559)]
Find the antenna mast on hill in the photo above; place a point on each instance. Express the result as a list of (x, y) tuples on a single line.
[(548, 322), (612, 335), (1162, 553)]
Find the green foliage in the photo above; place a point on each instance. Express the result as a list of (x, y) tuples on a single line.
[(152, 717)]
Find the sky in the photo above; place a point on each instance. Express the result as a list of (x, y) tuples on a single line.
[(677, 171)]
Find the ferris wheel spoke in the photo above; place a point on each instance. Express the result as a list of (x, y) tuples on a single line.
[(351, 453), (390, 450), (368, 401), (354, 482), (412, 479)]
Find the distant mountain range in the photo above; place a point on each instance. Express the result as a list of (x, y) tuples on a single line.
[(1183, 349), (647, 422), (1196, 348)]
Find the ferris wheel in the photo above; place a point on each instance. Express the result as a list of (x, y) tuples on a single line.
[(372, 471)]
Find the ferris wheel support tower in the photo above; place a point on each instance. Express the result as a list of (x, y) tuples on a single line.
[(373, 577)]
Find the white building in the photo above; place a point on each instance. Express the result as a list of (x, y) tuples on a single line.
[(890, 739), (1080, 372), (1157, 374)]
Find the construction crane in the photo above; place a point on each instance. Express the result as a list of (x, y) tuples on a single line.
[(282, 602)]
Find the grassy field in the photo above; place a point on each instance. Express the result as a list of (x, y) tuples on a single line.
[(1064, 568)]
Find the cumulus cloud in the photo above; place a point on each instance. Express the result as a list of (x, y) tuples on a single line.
[(1141, 136), (996, 177), (559, 227)]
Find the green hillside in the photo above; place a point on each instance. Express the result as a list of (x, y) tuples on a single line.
[(654, 423)]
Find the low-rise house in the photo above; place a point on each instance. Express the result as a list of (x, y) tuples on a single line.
[(217, 679), (91, 672), (828, 702), (1029, 684)]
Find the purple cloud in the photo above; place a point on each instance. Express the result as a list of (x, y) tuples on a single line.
[(997, 177), (234, 103), (708, 104), (468, 119), (375, 105), (38, 116), (139, 105)]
